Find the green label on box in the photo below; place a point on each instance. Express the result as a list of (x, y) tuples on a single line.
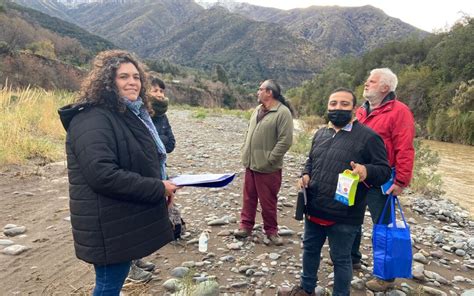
[(346, 188)]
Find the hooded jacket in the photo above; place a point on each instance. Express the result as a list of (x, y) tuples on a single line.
[(117, 199), (165, 132), (162, 125)]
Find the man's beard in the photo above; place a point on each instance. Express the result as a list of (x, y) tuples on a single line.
[(371, 95)]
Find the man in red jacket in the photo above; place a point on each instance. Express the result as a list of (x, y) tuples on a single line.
[(394, 122)]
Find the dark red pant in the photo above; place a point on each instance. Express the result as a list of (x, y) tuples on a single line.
[(264, 188)]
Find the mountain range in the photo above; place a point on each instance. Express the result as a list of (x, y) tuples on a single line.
[(341, 30), (250, 42)]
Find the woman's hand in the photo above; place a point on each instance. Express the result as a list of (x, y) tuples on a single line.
[(170, 189)]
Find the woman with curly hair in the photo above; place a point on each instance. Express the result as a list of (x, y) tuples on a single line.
[(116, 167)]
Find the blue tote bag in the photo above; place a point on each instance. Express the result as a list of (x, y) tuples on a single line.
[(392, 245)]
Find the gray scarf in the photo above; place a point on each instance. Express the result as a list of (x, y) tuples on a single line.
[(138, 108)]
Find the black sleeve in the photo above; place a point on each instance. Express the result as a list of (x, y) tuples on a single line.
[(378, 169), (170, 143), (94, 145)]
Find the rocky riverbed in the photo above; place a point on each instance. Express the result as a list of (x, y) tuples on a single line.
[(37, 256)]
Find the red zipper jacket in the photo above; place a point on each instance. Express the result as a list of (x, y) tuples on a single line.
[(394, 122)]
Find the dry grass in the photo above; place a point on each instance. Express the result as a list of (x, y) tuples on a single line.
[(311, 123), (30, 128)]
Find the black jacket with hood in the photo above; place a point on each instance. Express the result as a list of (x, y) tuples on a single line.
[(117, 200), (163, 128)]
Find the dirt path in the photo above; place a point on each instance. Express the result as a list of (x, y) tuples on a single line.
[(38, 199)]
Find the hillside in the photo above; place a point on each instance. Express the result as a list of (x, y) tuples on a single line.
[(341, 30), (52, 8), (56, 21), (25, 69), (435, 78), (259, 42), (134, 26), (248, 50), (31, 54)]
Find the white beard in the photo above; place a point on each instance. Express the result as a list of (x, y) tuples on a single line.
[(371, 96)]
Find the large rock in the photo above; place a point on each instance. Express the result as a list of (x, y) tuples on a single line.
[(172, 285), (433, 291), (239, 285), (14, 250), (396, 293), (179, 272), (358, 284), (218, 222), (468, 293), (285, 232), (6, 242), (419, 257), (13, 230), (418, 271)]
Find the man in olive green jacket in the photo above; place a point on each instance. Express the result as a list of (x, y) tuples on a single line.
[(268, 138)]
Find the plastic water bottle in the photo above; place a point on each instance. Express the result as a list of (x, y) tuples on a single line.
[(203, 240)]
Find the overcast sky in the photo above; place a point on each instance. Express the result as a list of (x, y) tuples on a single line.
[(426, 15)]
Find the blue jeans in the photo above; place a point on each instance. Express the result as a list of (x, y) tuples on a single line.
[(341, 237), (109, 279), (376, 202)]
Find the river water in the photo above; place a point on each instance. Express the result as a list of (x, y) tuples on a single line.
[(457, 172)]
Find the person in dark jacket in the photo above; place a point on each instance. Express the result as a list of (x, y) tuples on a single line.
[(116, 163), (159, 104), (343, 144), (140, 269)]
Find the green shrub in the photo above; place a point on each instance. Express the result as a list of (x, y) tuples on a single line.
[(4, 47), (200, 113), (301, 143), (43, 48), (425, 179)]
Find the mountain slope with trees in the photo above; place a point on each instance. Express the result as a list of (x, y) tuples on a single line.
[(341, 30), (436, 80), (252, 43), (248, 50), (60, 27), (38, 50), (52, 8), (135, 25)]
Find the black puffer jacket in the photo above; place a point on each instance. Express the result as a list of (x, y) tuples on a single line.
[(117, 200), (164, 130), (331, 154)]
